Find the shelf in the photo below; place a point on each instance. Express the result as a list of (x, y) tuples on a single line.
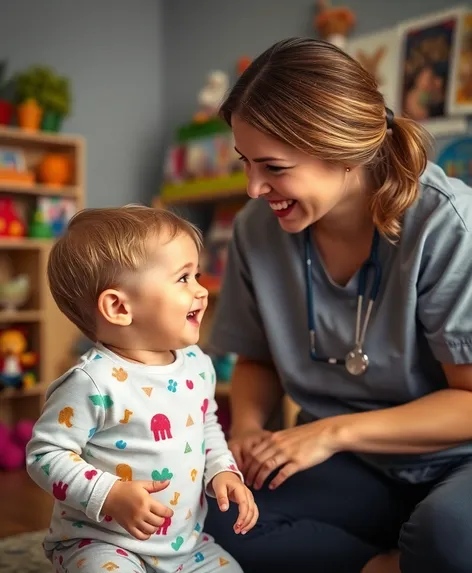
[(17, 135), (24, 243), (38, 189), (11, 393), (20, 316), (204, 190)]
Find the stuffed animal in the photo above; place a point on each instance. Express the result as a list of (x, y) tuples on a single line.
[(13, 443)]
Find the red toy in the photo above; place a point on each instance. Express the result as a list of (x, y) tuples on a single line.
[(13, 443), (11, 224)]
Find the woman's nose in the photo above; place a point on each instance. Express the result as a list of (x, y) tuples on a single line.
[(256, 187)]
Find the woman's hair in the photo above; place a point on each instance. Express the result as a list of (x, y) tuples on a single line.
[(313, 96)]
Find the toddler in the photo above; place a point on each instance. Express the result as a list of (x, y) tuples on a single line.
[(128, 442)]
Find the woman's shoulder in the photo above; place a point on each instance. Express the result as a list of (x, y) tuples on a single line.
[(444, 205)]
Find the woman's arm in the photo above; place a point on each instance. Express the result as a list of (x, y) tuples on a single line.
[(435, 422), (255, 393)]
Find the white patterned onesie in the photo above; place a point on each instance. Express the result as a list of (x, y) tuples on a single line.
[(107, 419)]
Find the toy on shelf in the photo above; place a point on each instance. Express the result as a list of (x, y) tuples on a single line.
[(217, 239), (334, 24), (15, 293), (13, 444), (224, 366), (16, 363), (13, 167), (55, 169), (14, 289), (11, 224), (52, 215), (211, 95), (243, 63)]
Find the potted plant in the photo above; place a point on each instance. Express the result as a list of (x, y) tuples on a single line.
[(6, 96), (56, 101), (30, 86)]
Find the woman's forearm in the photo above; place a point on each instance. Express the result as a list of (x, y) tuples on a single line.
[(255, 393), (435, 422)]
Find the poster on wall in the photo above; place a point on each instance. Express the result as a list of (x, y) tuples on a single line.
[(379, 53), (427, 64), (460, 95), (456, 159)]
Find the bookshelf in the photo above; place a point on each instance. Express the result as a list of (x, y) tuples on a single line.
[(50, 335)]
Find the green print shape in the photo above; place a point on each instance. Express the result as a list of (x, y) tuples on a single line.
[(103, 401), (38, 457), (177, 544), (83, 503), (203, 447), (164, 475), (46, 468), (89, 454), (78, 524), (188, 449), (202, 374)]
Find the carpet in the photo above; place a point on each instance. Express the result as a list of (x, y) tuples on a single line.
[(24, 554)]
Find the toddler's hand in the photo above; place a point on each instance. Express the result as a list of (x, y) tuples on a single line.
[(131, 505), (228, 486)]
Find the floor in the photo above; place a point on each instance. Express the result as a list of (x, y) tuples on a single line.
[(23, 505)]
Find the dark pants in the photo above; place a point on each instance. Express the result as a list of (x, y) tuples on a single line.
[(336, 516)]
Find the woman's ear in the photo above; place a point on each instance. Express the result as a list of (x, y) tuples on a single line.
[(115, 308)]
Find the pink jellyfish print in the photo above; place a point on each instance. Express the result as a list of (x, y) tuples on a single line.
[(204, 408), (162, 530), (160, 427)]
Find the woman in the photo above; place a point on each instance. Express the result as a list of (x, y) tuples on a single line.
[(377, 474)]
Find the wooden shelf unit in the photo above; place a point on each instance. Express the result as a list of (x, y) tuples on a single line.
[(52, 334), (194, 194)]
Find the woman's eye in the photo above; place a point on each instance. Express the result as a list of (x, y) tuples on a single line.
[(243, 159), (274, 168)]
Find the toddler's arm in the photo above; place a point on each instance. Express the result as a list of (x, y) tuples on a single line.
[(218, 456), (74, 411)]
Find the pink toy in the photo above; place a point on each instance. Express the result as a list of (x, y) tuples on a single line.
[(12, 444)]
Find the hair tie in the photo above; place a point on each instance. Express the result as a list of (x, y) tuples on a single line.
[(389, 117)]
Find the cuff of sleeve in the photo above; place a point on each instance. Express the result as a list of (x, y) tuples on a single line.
[(217, 467), (456, 352), (99, 494)]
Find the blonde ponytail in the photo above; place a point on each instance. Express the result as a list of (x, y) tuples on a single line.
[(401, 160)]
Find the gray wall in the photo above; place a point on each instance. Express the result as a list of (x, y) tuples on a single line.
[(112, 51), (207, 34)]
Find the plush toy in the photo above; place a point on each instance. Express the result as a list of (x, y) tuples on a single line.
[(15, 362), (13, 443)]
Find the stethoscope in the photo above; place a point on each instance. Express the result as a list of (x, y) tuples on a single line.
[(356, 361)]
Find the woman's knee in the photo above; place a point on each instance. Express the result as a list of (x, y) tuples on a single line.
[(436, 538)]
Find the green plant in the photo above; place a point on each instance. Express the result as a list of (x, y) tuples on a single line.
[(43, 84), (56, 96)]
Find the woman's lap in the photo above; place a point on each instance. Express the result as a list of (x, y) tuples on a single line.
[(336, 515)]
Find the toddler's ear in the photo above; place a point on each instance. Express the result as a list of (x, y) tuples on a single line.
[(114, 306)]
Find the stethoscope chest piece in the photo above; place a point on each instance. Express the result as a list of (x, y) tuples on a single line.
[(357, 362)]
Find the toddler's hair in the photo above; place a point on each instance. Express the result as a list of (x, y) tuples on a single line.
[(99, 248)]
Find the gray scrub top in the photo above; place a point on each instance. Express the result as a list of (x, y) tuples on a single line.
[(422, 315)]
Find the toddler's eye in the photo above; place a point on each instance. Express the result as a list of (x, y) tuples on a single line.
[(184, 279)]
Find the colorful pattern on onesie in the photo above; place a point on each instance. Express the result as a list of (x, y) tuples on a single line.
[(108, 419)]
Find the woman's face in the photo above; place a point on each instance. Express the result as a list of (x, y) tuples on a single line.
[(299, 188)]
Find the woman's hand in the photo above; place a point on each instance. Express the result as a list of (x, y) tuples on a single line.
[(291, 450), (243, 443)]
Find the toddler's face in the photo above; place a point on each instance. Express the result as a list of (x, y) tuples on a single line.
[(167, 301)]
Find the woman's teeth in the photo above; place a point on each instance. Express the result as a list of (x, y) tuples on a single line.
[(280, 205)]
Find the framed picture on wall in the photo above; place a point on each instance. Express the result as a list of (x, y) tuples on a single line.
[(379, 53), (460, 95), (427, 64)]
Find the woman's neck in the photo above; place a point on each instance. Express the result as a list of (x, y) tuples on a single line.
[(351, 218)]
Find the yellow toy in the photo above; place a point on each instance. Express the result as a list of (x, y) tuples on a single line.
[(15, 361)]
